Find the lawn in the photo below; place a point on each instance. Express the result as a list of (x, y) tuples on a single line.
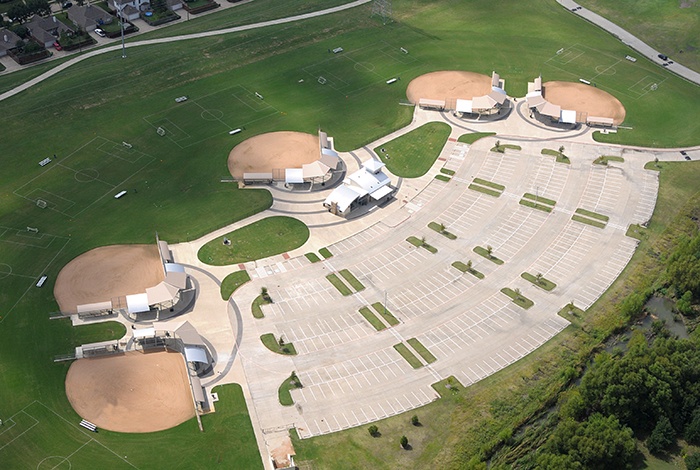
[(471, 138), (338, 284), (179, 193), (256, 306), (518, 298), (385, 314), (274, 345), (372, 319), (412, 154), (232, 282), (261, 239)]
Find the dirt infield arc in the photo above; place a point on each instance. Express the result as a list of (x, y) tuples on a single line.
[(584, 99), (273, 150), (135, 392), (104, 273), (448, 85)]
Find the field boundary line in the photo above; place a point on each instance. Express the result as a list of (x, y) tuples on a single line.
[(36, 422)]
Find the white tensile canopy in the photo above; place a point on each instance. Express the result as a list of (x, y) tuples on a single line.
[(137, 303), (381, 192), (314, 170), (568, 116), (163, 292), (196, 354), (464, 106), (144, 333), (293, 175)]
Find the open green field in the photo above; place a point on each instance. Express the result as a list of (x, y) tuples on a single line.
[(85, 113)]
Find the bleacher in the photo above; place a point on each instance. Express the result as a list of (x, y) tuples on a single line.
[(88, 425)]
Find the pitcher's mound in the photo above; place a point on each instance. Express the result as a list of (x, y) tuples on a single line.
[(448, 85), (584, 99), (107, 272), (274, 150), (135, 392)]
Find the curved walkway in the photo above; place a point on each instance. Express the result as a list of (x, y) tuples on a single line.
[(184, 37), (630, 40)]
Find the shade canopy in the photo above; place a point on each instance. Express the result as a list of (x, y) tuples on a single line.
[(293, 175), (196, 354), (137, 303), (144, 333), (163, 292)]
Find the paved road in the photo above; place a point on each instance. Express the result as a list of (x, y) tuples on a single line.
[(184, 37), (631, 40)]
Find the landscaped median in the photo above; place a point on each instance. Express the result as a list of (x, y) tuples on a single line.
[(278, 346), (441, 229), (283, 393), (468, 268), (539, 280), (342, 286), (591, 218), (537, 202), (561, 158), (487, 187), (261, 239), (232, 282), (501, 148), (605, 159), (518, 298), (421, 243), (488, 254), (408, 355), (445, 175)]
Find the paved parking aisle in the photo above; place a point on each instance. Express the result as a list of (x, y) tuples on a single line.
[(471, 208), (390, 264), (550, 178), (602, 193), (276, 267), (358, 240), (648, 191), (515, 231)]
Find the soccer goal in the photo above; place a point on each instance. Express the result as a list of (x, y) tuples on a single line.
[(322, 80), (160, 131)]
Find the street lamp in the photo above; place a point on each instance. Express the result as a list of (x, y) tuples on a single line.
[(121, 23)]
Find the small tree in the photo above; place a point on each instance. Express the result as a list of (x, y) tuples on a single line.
[(415, 421), (295, 379), (441, 227), (662, 437), (518, 294), (561, 150), (404, 442), (469, 265), (498, 146), (538, 278), (489, 250), (692, 462), (281, 342), (265, 295), (373, 431)]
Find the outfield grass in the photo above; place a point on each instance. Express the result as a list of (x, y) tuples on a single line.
[(232, 282), (338, 284), (266, 237), (96, 332), (411, 155), (471, 138), (408, 355)]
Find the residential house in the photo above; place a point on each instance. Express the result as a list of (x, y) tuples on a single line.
[(8, 40), (46, 30), (88, 17)]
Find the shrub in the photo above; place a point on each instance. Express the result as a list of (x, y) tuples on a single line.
[(692, 462), (404, 441), (414, 420), (373, 431)]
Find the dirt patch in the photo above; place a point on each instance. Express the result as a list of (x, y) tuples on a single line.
[(274, 150), (135, 392), (584, 99), (448, 85), (107, 272)]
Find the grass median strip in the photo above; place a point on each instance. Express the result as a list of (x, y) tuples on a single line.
[(422, 350), (232, 282), (604, 159), (338, 284), (408, 355), (592, 215), (467, 268), (385, 314), (585, 220), (326, 253), (561, 158), (540, 199), (481, 189), (488, 254), (421, 243), (447, 171), (283, 393), (490, 184), (352, 280), (518, 298), (372, 319), (539, 281), (256, 306), (277, 346), (313, 257), (440, 228), (471, 138), (534, 205), (501, 148), (444, 178)]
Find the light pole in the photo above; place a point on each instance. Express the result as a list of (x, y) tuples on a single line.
[(121, 23)]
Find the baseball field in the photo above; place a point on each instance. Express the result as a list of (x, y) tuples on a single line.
[(110, 124)]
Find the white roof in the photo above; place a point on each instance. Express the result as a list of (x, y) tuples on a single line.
[(188, 334), (373, 165), (464, 106), (381, 192), (367, 181), (568, 116), (174, 268), (330, 160), (314, 170), (549, 109), (196, 354), (145, 332), (293, 175), (330, 152), (137, 303), (163, 292), (535, 100), (342, 196)]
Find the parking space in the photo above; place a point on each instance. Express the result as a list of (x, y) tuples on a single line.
[(563, 259), (515, 231), (471, 208), (602, 193), (456, 156), (325, 331), (415, 298), (390, 264), (426, 196), (648, 190), (359, 240), (298, 297), (278, 267), (498, 168), (549, 179)]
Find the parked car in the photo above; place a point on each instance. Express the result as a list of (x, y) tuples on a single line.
[(67, 5), (685, 154), (100, 33), (57, 46), (663, 57)]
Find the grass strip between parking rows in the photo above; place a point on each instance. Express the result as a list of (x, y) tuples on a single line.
[(542, 282), (447, 171), (444, 178), (338, 284), (592, 215), (481, 189), (466, 269), (352, 280), (422, 350), (540, 199), (372, 319), (587, 221), (480, 250), (440, 228), (313, 257), (604, 159), (534, 205), (490, 184), (417, 242), (271, 343), (283, 393), (326, 253), (256, 306), (518, 299), (408, 355), (385, 314)]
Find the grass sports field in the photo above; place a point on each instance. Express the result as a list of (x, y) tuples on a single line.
[(84, 115)]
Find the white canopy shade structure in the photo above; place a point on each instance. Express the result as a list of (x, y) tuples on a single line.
[(535, 99), (464, 106), (137, 303), (330, 160), (549, 109), (373, 166), (177, 279), (161, 293), (567, 116), (342, 196), (196, 354), (187, 333), (314, 170), (144, 333), (293, 175), (381, 192), (174, 268)]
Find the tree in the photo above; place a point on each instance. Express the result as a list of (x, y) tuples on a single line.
[(295, 380), (489, 250), (684, 304), (518, 294), (561, 150), (265, 295), (538, 278), (692, 462), (281, 342), (441, 227), (415, 421), (40, 7), (692, 430), (662, 437), (373, 431), (469, 265), (404, 442), (423, 241), (19, 12)]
